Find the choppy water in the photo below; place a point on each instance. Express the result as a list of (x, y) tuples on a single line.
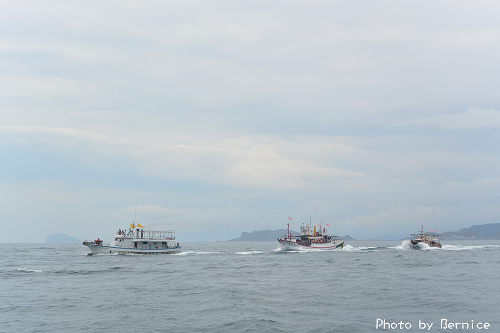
[(249, 287)]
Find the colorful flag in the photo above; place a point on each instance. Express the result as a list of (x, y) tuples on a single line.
[(139, 225), (131, 225), (327, 225), (289, 218)]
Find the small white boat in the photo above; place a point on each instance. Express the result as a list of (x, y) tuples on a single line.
[(137, 240), (311, 239)]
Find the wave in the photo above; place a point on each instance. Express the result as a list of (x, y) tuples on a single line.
[(406, 245), (468, 247), (84, 271), (350, 248), (250, 252), (193, 253), (28, 270)]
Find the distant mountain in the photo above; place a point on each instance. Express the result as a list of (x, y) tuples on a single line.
[(262, 235), (269, 235), (61, 238), (483, 231)]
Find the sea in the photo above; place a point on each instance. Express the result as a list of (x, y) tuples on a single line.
[(369, 286)]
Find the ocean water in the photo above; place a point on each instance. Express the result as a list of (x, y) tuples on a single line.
[(252, 287)]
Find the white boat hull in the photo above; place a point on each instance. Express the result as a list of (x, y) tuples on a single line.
[(292, 245), (107, 249)]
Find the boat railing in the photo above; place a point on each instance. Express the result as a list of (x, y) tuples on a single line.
[(152, 234), (153, 239)]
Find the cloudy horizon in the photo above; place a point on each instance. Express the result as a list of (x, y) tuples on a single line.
[(213, 118)]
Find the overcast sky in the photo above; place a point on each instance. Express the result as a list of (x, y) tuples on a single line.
[(217, 117)]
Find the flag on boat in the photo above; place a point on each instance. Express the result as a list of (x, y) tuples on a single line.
[(327, 225), (139, 225), (131, 225), (289, 218)]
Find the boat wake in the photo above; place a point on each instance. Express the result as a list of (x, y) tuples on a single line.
[(468, 247), (28, 270), (406, 245), (195, 253), (250, 252), (350, 248)]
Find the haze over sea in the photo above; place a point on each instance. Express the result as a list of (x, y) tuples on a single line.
[(249, 287)]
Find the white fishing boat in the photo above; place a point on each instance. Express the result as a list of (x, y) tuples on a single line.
[(310, 238), (137, 240)]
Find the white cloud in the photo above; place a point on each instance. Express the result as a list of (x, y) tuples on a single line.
[(472, 118), (247, 162)]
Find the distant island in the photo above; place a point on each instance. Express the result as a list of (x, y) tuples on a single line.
[(269, 235), (482, 231), (61, 238)]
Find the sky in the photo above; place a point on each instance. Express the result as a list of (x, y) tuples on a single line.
[(217, 117)]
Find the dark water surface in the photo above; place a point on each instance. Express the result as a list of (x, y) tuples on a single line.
[(251, 287)]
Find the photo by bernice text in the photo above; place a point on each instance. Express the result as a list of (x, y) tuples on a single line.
[(442, 324)]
